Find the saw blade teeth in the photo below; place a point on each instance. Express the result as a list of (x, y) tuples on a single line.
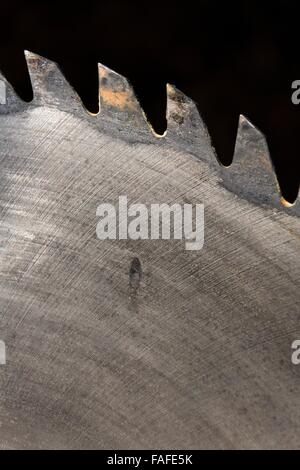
[(118, 103), (9, 100), (251, 174), (50, 87), (185, 125)]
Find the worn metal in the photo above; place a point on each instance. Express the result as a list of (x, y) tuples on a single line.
[(141, 344)]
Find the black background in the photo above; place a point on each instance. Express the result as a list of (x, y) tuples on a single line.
[(230, 57), (200, 459)]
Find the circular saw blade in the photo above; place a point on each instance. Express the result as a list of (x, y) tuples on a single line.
[(141, 343)]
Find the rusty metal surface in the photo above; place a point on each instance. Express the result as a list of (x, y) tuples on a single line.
[(141, 344)]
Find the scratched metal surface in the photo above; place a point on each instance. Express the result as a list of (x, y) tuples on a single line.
[(141, 344)]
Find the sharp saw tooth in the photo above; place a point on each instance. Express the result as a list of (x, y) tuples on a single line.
[(118, 103), (185, 125), (251, 174), (9, 100), (50, 87)]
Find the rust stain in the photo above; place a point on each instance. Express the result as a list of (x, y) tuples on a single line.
[(117, 99), (285, 203)]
